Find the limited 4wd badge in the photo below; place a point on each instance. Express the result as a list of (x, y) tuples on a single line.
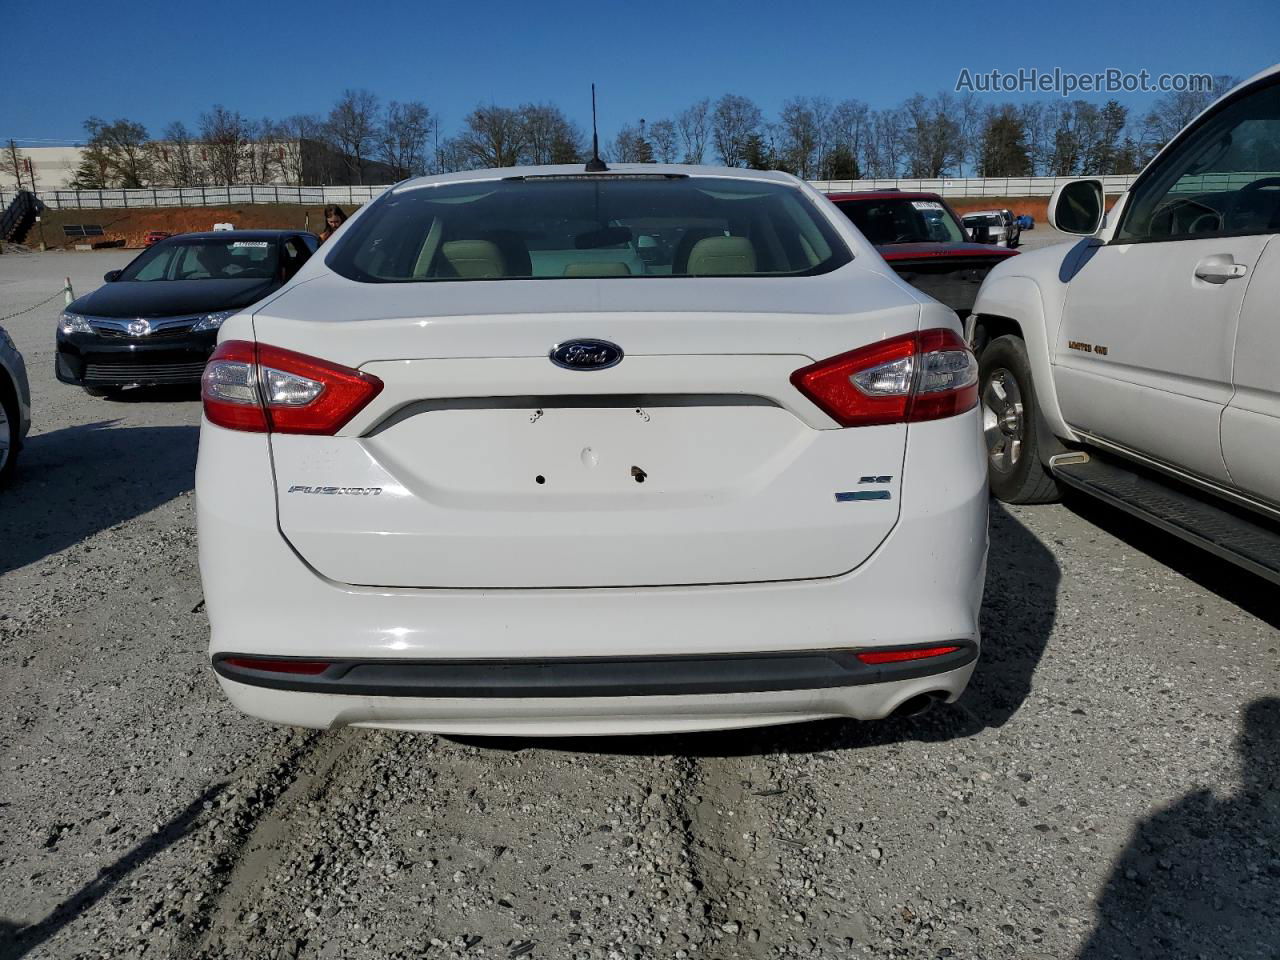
[(1097, 348), (337, 491)]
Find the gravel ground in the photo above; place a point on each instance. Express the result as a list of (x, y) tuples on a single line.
[(1106, 788)]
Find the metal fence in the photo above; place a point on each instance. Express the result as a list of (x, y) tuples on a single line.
[(973, 187), (199, 196), (319, 196)]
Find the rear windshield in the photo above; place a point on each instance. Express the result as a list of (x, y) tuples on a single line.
[(900, 220), (205, 259), (592, 226)]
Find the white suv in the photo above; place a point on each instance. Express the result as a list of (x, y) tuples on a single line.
[(486, 468), (1139, 364)]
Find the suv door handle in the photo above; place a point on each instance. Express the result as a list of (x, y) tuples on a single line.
[(1218, 269)]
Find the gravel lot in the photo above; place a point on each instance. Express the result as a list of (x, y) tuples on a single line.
[(1106, 788)]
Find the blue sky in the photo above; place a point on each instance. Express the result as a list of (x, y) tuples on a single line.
[(160, 61)]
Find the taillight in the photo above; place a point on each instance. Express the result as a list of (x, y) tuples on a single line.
[(919, 376), (875, 657), (267, 389)]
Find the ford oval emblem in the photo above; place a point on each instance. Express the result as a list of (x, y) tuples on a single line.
[(586, 354)]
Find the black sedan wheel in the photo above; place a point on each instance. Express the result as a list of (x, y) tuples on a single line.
[(8, 434)]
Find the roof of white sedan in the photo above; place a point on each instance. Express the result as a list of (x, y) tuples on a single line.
[(578, 170)]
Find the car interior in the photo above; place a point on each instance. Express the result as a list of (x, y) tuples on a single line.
[(550, 232)]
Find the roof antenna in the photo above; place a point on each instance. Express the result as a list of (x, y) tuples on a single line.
[(595, 164)]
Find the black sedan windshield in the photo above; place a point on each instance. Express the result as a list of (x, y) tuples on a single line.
[(902, 220), (205, 258)]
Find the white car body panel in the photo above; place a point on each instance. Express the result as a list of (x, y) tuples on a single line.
[(1185, 380), (1162, 384), (1251, 420), (271, 600), (733, 544)]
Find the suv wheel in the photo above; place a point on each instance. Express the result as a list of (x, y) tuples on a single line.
[(8, 435), (1010, 425)]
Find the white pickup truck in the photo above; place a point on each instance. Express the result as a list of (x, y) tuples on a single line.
[(1141, 364)]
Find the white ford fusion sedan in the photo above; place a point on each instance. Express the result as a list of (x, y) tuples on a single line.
[(542, 451)]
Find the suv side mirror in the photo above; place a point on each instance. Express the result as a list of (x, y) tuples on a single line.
[(980, 234), (111, 276), (1077, 207)]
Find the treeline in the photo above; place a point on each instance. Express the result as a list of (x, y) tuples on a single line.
[(813, 137)]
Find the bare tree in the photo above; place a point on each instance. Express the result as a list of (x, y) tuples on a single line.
[(353, 127), (846, 132), (16, 165), (549, 136), (932, 135), (1173, 111), (694, 127), (884, 150), (631, 146), (402, 144), (663, 137), (804, 133), (174, 157), (297, 135), (124, 144), (451, 155), (733, 121), (225, 144), (494, 137), (264, 156)]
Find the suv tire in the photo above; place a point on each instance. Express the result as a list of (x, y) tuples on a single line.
[(1011, 425)]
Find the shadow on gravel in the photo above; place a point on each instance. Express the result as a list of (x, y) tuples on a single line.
[(16, 941), (75, 482), (1017, 619), (1199, 878), (169, 394), (1238, 586)]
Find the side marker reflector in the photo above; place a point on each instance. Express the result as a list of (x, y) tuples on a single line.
[(873, 657), (310, 668)]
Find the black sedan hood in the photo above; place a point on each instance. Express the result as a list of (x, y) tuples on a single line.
[(171, 298)]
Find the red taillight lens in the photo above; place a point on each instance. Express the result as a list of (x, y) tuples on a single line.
[(873, 657), (918, 376), (262, 388), (310, 668)]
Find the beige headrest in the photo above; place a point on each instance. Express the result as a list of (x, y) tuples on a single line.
[(475, 259), (722, 256), (602, 269)]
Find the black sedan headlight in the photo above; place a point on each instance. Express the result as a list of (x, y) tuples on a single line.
[(70, 323)]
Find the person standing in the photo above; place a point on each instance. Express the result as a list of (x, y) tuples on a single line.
[(334, 217)]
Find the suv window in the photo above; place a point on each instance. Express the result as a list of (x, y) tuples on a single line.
[(1222, 178), (589, 226)]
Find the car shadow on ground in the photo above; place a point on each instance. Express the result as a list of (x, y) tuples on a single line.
[(77, 481), (17, 940), (167, 394), (1244, 589), (1017, 620), (1199, 878)]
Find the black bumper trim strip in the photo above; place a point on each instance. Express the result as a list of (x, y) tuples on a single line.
[(597, 676)]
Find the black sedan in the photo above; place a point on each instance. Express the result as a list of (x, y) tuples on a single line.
[(156, 321)]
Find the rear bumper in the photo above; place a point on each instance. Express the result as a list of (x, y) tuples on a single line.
[(923, 585), (89, 360), (584, 676), (589, 716)]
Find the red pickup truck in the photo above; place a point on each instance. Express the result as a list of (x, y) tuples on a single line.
[(921, 237)]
